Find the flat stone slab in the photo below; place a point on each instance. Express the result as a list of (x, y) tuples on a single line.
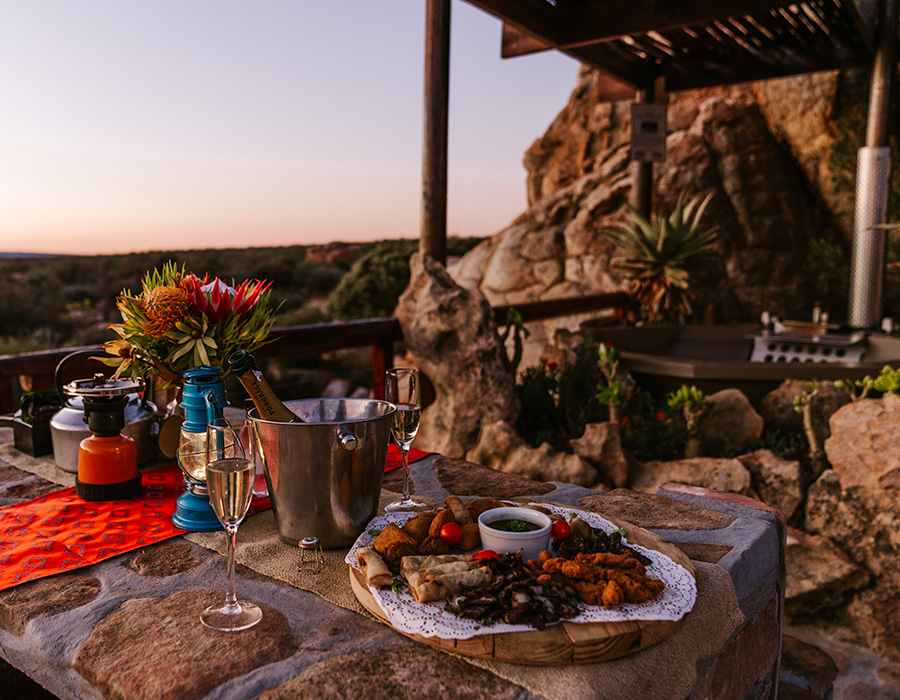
[(406, 672), (163, 559), (46, 596), (157, 649), (652, 511), (465, 478)]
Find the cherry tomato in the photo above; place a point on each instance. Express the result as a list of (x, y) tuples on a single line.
[(485, 554), (560, 529), (451, 533)]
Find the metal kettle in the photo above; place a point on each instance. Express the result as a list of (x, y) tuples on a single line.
[(68, 427)]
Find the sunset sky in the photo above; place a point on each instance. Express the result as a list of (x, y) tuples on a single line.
[(139, 125)]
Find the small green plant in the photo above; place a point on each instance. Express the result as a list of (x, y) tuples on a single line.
[(660, 256), (650, 432), (558, 400), (887, 381), (515, 327), (693, 406), (611, 391)]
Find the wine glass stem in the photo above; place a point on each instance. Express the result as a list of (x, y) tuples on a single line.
[(231, 598), (404, 458)]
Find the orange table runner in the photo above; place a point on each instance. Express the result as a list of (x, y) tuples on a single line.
[(59, 531)]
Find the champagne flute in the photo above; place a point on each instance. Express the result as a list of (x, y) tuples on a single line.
[(229, 479), (401, 388)]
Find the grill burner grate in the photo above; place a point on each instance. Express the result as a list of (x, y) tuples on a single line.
[(801, 347)]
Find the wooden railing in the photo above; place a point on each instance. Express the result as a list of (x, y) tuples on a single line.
[(36, 370)]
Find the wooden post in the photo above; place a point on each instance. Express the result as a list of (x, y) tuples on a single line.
[(433, 233), (641, 195)]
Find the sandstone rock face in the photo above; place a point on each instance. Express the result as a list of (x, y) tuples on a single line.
[(720, 141), (500, 447), (729, 421), (819, 575), (600, 445), (862, 448), (451, 336), (776, 481), (865, 522), (777, 407), (708, 472)]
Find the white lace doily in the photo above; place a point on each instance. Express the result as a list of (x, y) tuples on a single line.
[(431, 620)]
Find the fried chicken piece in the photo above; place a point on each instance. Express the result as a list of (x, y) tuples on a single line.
[(434, 544), (612, 595), (590, 593), (418, 526), (395, 551), (616, 561), (391, 533)]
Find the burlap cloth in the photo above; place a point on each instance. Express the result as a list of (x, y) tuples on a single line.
[(666, 670)]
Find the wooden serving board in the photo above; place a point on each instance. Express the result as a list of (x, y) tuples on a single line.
[(562, 643)]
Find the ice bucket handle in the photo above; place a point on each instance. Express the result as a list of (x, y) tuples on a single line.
[(346, 439)]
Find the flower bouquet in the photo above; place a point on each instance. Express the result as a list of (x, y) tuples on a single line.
[(181, 321)]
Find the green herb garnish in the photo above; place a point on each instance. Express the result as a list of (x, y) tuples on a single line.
[(518, 526), (620, 530), (397, 587), (374, 532)]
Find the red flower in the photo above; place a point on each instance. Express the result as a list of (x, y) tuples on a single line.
[(552, 365), (218, 301), (607, 343), (661, 415), (624, 420)]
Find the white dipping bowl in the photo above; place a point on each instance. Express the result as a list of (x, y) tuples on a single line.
[(532, 543)]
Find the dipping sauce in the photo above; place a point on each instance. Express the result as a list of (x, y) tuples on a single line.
[(513, 525)]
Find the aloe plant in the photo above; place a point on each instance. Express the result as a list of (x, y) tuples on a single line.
[(660, 256)]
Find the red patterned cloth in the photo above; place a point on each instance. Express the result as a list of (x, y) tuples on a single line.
[(393, 457), (59, 531)]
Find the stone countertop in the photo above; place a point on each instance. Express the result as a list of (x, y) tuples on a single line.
[(307, 647)]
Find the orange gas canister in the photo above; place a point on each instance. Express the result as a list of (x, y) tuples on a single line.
[(107, 460)]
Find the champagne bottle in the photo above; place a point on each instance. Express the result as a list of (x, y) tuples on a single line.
[(243, 364)]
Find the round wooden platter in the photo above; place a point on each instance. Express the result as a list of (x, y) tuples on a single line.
[(563, 643)]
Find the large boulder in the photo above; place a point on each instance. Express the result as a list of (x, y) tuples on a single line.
[(451, 336), (729, 421), (601, 446), (708, 472), (862, 448), (500, 447), (819, 575), (776, 481)]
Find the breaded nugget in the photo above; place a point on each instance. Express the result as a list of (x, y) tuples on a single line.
[(392, 533), (615, 561), (417, 527), (395, 551), (444, 516), (434, 544), (477, 506), (471, 537)]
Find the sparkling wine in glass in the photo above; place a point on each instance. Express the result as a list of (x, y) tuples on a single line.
[(401, 388), (229, 479)]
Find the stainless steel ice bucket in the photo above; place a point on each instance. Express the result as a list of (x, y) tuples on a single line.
[(324, 475)]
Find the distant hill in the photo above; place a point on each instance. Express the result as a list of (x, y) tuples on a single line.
[(30, 255)]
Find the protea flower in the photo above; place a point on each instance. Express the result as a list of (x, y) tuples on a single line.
[(165, 306), (219, 301)]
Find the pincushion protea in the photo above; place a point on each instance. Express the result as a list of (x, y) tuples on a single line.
[(165, 307)]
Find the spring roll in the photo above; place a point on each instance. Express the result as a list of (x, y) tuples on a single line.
[(373, 566)]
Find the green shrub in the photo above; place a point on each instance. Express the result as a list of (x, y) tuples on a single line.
[(651, 431), (558, 401)]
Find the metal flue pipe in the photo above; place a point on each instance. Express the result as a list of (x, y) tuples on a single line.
[(873, 182)]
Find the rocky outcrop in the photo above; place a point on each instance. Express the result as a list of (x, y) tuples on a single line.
[(602, 447), (819, 575), (776, 481), (722, 141), (500, 447), (450, 335), (729, 421), (708, 472)]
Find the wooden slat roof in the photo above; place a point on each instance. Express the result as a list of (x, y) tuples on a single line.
[(691, 43)]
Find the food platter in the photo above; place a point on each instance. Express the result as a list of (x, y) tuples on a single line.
[(565, 642)]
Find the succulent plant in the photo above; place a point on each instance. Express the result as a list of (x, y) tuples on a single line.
[(660, 256)]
